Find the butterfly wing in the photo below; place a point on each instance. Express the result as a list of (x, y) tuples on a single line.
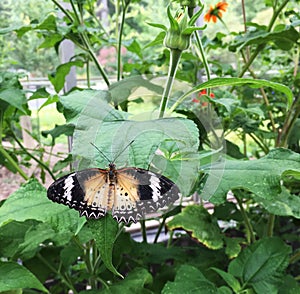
[(85, 191), (139, 191), (133, 193)]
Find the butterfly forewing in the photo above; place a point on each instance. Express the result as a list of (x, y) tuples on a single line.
[(129, 193)]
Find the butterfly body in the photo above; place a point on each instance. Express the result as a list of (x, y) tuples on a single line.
[(129, 193)]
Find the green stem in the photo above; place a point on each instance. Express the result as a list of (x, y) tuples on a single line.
[(270, 227), (95, 59), (33, 157), (248, 226), (289, 122), (262, 46), (88, 76), (63, 278), (170, 239), (276, 13), (203, 58), (160, 229), (67, 14), (119, 61), (174, 61), (259, 143), (144, 230), (13, 163)]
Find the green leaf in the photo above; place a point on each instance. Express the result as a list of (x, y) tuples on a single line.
[(157, 25), (12, 235), (284, 203), (134, 282), (69, 254), (77, 103), (135, 48), (157, 41), (202, 226), (14, 276), (229, 279), (233, 247), (284, 37), (120, 91), (261, 177), (61, 164), (262, 264), (49, 23), (31, 202), (33, 239), (218, 82), (15, 97), (40, 93), (99, 123), (58, 79), (189, 280), (51, 40), (59, 130), (105, 231)]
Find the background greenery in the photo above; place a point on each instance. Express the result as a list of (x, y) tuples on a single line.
[(229, 139)]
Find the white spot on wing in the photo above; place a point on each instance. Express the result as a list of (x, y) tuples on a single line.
[(154, 185), (69, 185)]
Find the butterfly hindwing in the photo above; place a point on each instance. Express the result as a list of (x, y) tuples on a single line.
[(129, 193), (147, 193)]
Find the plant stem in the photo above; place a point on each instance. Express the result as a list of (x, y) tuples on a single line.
[(174, 61), (259, 143), (33, 157), (203, 58), (262, 46), (270, 227), (13, 163), (95, 59), (290, 120), (63, 278), (160, 229), (249, 230), (144, 230), (119, 65), (67, 14), (276, 13)]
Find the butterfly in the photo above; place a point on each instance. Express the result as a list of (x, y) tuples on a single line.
[(128, 193)]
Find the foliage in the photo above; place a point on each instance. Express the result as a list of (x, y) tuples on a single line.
[(229, 141)]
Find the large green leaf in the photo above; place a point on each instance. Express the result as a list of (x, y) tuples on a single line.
[(189, 280), (262, 177), (121, 90), (104, 232), (12, 235), (283, 203), (219, 82), (14, 276), (133, 283), (14, 97), (262, 265), (229, 279), (284, 37), (202, 226), (169, 145), (31, 202), (58, 79)]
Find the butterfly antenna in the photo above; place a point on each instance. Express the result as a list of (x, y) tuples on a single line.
[(122, 151), (104, 156)]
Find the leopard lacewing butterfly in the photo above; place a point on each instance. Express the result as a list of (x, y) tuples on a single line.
[(129, 193)]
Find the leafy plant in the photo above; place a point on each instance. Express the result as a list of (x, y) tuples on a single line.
[(229, 143)]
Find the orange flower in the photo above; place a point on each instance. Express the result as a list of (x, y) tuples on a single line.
[(215, 12)]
